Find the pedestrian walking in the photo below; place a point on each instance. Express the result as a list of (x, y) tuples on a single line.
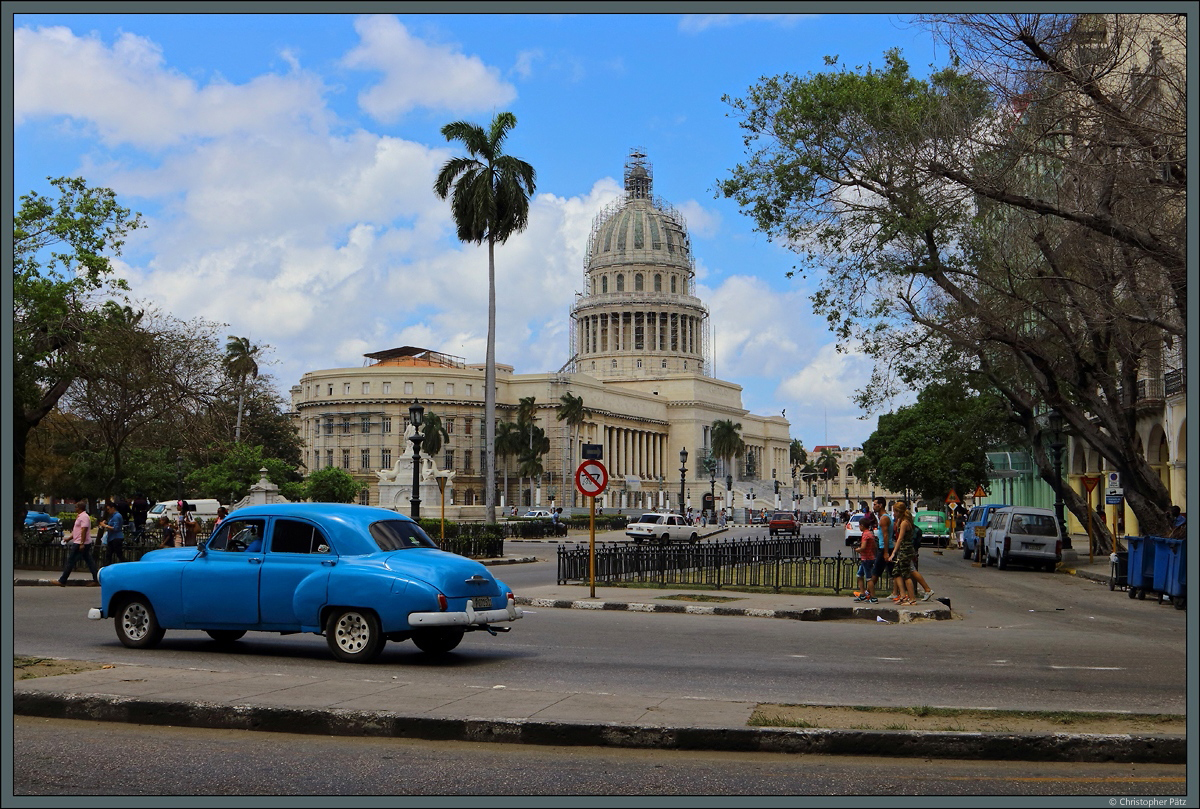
[(883, 543), (168, 532), (139, 509), (114, 534), (80, 546)]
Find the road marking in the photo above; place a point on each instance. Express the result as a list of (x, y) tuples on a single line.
[(890, 659), (797, 655), (1091, 668)]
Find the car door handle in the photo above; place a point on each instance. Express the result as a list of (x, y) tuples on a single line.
[(329, 562), (255, 560)]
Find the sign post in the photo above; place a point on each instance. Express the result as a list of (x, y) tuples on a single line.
[(591, 478)]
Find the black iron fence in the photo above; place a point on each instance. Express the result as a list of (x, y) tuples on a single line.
[(776, 564)]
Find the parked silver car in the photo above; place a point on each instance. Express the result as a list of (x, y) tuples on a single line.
[(1025, 535)]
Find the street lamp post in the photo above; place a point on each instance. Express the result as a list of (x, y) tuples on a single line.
[(178, 476), (1055, 421), (682, 477), (712, 488), (416, 415)]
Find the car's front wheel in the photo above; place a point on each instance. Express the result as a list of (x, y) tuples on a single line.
[(354, 635), (437, 641), (137, 627)]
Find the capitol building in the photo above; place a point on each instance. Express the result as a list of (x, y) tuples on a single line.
[(639, 358)]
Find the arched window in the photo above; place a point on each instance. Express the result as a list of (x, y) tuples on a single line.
[(673, 283), (638, 285), (658, 282), (604, 284), (620, 282)]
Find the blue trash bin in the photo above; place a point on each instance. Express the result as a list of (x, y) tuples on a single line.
[(1174, 581), (1140, 573)]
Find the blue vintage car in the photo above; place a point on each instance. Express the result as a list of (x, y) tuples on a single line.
[(359, 575)]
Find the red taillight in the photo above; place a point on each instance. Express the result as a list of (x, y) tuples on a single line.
[(443, 605), (1007, 540), (509, 596)]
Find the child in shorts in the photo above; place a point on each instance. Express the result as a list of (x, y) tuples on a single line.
[(867, 548)]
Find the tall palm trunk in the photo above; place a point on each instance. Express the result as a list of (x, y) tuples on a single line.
[(237, 430), (489, 393)]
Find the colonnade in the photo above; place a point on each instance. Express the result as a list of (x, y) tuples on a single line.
[(640, 331), (635, 452)]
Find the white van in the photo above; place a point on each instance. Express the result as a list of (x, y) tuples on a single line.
[(1025, 535), (201, 510)]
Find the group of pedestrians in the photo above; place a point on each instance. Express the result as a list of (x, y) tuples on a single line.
[(887, 545), (82, 542)]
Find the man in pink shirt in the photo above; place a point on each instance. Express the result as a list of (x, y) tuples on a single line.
[(80, 544)]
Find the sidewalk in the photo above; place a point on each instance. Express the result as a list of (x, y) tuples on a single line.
[(375, 704)]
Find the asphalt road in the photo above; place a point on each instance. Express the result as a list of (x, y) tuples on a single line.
[(62, 758), (1020, 640)]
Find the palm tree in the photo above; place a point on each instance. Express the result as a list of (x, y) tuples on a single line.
[(241, 361), (572, 411), (434, 432), (508, 442), (827, 464), (797, 454), (490, 203), (727, 441)]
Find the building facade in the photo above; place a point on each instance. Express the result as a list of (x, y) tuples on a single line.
[(638, 359)]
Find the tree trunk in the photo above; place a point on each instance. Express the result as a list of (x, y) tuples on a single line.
[(489, 391)]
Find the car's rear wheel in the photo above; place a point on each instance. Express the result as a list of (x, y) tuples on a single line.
[(665, 538), (137, 626), (438, 641), (225, 635), (354, 635), (1001, 560), (694, 538)]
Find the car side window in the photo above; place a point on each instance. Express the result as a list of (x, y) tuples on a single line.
[(294, 536), (237, 536)]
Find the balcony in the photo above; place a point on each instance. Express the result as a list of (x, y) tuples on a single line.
[(1175, 382)]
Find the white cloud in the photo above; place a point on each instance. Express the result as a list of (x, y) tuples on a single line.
[(701, 221), (127, 95), (419, 74), (525, 62)]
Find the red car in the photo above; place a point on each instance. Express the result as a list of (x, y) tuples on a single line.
[(784, 522)]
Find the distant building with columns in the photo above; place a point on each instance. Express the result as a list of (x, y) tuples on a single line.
[(639, 359)]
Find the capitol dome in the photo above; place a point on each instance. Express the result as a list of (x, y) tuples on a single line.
[(639, 315)]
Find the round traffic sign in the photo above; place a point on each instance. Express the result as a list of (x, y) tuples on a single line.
[(591, 478)]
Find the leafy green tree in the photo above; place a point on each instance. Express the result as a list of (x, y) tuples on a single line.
[(727, 442), (229, 479), (241, 362), (915, 447), (533, 442), (1042, 253), (62, 251), (140, 367), (490, 202), (434, 432), (332, 485)]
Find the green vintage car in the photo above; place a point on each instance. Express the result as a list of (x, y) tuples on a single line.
[(934, 527)]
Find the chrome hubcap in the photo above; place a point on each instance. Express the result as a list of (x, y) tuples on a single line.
[(135, 621), (352, 633)]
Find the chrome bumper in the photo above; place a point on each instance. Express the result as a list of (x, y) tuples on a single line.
[(95, 614), (469, 616)]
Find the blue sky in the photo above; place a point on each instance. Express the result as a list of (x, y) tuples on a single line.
[(285, 164)]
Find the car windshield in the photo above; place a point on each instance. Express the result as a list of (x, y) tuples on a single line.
[(781, 516), (930, 519), (398, 535), (651, 518)]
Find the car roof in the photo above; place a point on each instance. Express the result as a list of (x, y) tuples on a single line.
[(347, 523), (1027, 510)]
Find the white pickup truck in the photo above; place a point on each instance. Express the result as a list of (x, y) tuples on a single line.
[(661, 528)]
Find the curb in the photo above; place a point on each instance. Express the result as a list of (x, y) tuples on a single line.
[(1059, 747), (889, 614)]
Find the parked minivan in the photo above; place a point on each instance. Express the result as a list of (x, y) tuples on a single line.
[(976, 526), (1025, 535)]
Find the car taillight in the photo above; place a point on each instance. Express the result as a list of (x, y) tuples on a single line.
[(509, 596), (443, 605), (1007, 540)]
